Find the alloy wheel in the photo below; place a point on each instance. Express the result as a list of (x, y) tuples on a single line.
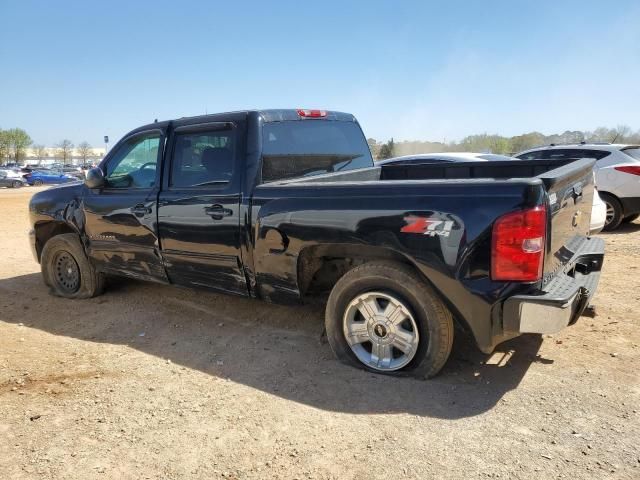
[(381, 331)]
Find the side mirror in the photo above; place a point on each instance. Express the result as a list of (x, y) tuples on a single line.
[(95, 178)]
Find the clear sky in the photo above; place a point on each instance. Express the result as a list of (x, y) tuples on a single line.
[(408, 69)]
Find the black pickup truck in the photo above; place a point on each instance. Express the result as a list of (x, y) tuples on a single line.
[(285, 204)]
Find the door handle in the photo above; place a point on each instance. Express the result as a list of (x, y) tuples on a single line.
[(140, 210), (218, 212)]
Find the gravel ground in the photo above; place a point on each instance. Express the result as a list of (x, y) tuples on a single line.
[(158, 382)]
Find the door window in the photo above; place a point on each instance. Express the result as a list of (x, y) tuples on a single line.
[(134, 163), (202, 158)]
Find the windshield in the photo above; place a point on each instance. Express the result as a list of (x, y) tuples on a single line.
[(632, 152), (301, 148)]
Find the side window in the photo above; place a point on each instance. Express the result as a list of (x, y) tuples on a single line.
[(535, 155), (563, 153), (134, 163), (597, 154), (202, 158)]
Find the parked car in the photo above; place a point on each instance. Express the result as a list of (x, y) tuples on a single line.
[(75, 172), (11, 179), (285, 204), (598, 209), (617, 175), (449, 157), (42, 177)]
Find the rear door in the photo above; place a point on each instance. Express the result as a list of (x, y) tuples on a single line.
[(198, 215)]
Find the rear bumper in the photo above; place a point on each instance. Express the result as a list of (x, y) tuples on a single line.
[(563, 299)]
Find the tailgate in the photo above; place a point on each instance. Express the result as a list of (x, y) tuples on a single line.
[(570, 190)]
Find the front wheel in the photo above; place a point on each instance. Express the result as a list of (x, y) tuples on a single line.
[(37, 183), (67, 270), (16, 184), (383, 317)]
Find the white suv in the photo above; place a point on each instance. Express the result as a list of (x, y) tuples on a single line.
[(617, 173)]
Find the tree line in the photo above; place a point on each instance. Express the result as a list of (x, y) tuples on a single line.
[(15, 142), (503, 145)]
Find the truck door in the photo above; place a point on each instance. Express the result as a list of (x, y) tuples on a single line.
[(198, 213), (120, 218)]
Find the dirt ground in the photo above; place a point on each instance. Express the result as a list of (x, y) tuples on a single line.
[(158, 382)]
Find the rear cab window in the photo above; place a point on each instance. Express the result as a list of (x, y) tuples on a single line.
[(299, 148)]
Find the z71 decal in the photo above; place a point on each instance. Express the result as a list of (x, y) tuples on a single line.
[(427, 226)]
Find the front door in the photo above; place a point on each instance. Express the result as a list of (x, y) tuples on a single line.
[(121, 217), (198, 213)]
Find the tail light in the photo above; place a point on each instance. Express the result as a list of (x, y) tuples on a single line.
[(312, 113), (632, 169), (517, 252)]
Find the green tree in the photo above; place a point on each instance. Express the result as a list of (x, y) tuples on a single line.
[(19, 142), (526, 141), (65, 149), (84, 150), (5, 145), (387, 150)]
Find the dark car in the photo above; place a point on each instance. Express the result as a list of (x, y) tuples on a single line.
[(283, 205), (44, 177)]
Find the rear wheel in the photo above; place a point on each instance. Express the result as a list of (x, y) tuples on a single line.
[(67, 270), (614, 212), (16, 184), (631, 218), (383, 317)]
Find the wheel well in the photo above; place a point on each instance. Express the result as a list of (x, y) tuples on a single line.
[(320, 267), (47, 230), (607, 194)]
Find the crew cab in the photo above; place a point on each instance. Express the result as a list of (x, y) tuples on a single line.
[(281, 205)]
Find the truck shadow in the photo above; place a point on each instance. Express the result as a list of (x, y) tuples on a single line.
[(273, 348)]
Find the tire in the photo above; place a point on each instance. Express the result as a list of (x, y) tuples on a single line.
[(66, 270), (631, 218), (37, 183), (16, 184), (418, 321), (614, 212)]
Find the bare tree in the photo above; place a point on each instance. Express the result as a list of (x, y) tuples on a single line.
[(84, 150), (621, 133), (65, 149), (39, 152)]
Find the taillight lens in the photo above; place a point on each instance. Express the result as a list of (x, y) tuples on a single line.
[(517, 252), (632, 169), (312, 113)]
